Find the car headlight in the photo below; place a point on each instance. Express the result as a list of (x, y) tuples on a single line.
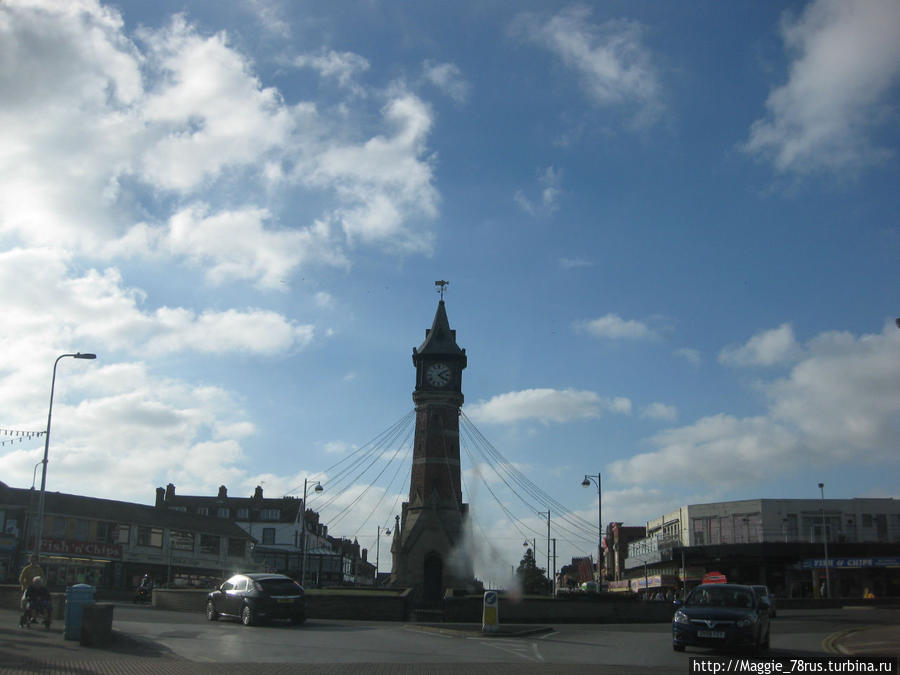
[(681, 617), (747, 621)]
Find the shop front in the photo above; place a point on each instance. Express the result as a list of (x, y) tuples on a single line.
[(67, 562), (851, 577)]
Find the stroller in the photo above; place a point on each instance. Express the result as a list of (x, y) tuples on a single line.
[(38, 608)]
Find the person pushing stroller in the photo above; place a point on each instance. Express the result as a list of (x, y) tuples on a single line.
[(37, 604)]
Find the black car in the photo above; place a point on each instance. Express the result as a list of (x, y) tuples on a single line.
[(721, 616), (253, 598), (763, 592)]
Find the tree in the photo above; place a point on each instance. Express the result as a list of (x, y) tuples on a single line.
[(532, 577)]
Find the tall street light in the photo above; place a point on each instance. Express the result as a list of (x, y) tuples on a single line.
[(387, 530), (588, 479), (318, 488), (825, 540), (549, 578), (40, 523)]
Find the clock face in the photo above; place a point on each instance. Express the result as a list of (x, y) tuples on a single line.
[(438, 374)]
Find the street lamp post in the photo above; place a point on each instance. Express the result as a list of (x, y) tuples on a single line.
[(825, 541), (40, 524), (549, 578), (387, 530), (588, 479), (318, 488)]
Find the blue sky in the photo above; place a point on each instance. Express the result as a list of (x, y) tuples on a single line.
[(670, 231)]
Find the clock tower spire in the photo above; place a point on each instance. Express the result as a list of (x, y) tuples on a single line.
[(432, 521)]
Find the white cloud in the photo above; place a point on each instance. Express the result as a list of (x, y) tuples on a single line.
[(342, 66), (132, 430), (846, 62), (549, 181), (384, 183), (235, 245), (339, 447), (660, 411), (207, 112), (97, 308), (688, 354), (545, 405), (615, 327), (113, 145), (449, 79), (838, 405), (765, 349), (615, 67)]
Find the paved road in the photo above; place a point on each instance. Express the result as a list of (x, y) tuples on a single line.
[(157, 641)]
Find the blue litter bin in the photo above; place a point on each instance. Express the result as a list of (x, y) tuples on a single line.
[(77, 597)]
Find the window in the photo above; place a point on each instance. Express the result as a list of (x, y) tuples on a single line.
[(867, 520), (103, 532), (150, 536), (243, 514), (209, 544), (223, 512), (236, 547), (182, 541), (270, 514), (241, 584), (268, 535), (81, 529), (202, 511), (59, 527), (123, 534)]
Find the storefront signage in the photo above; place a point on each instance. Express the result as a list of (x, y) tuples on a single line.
[(81, 548), (851, 563)]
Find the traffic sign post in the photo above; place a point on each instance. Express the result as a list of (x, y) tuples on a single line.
[(490, 617)]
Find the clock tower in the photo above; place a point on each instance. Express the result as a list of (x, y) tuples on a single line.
[(427, 549)]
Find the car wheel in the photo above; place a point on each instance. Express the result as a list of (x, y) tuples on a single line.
[(757, 646), (677, 647), (211, 613), (247, 616)]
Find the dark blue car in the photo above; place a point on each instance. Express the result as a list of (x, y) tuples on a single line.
[(721, 616), (254, 598)]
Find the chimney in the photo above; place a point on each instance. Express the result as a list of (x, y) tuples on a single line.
[(223, 492), (160, 496), (365, 554), (170, 491), (257, 494)]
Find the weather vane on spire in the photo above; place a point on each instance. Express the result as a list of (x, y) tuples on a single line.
[(443, 286)]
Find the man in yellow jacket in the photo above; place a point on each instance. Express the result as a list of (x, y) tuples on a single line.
[(28, 573)]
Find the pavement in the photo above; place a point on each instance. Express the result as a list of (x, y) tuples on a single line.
[(37, 650)]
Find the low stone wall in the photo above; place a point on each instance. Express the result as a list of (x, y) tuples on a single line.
[(369, 606), (180, 599), (536, 609), (320, 604), (11, 596)]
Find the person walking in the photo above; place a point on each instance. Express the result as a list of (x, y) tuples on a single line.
[(29, 572), (27, 575)]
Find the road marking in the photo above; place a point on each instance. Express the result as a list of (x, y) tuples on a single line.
[(513, 647)]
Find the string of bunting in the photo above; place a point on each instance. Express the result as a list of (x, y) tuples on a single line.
[(17, 436)]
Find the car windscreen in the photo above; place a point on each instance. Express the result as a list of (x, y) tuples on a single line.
[(279, 587), (721, 597)]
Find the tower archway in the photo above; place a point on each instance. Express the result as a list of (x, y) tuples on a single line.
[(433, 576)]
